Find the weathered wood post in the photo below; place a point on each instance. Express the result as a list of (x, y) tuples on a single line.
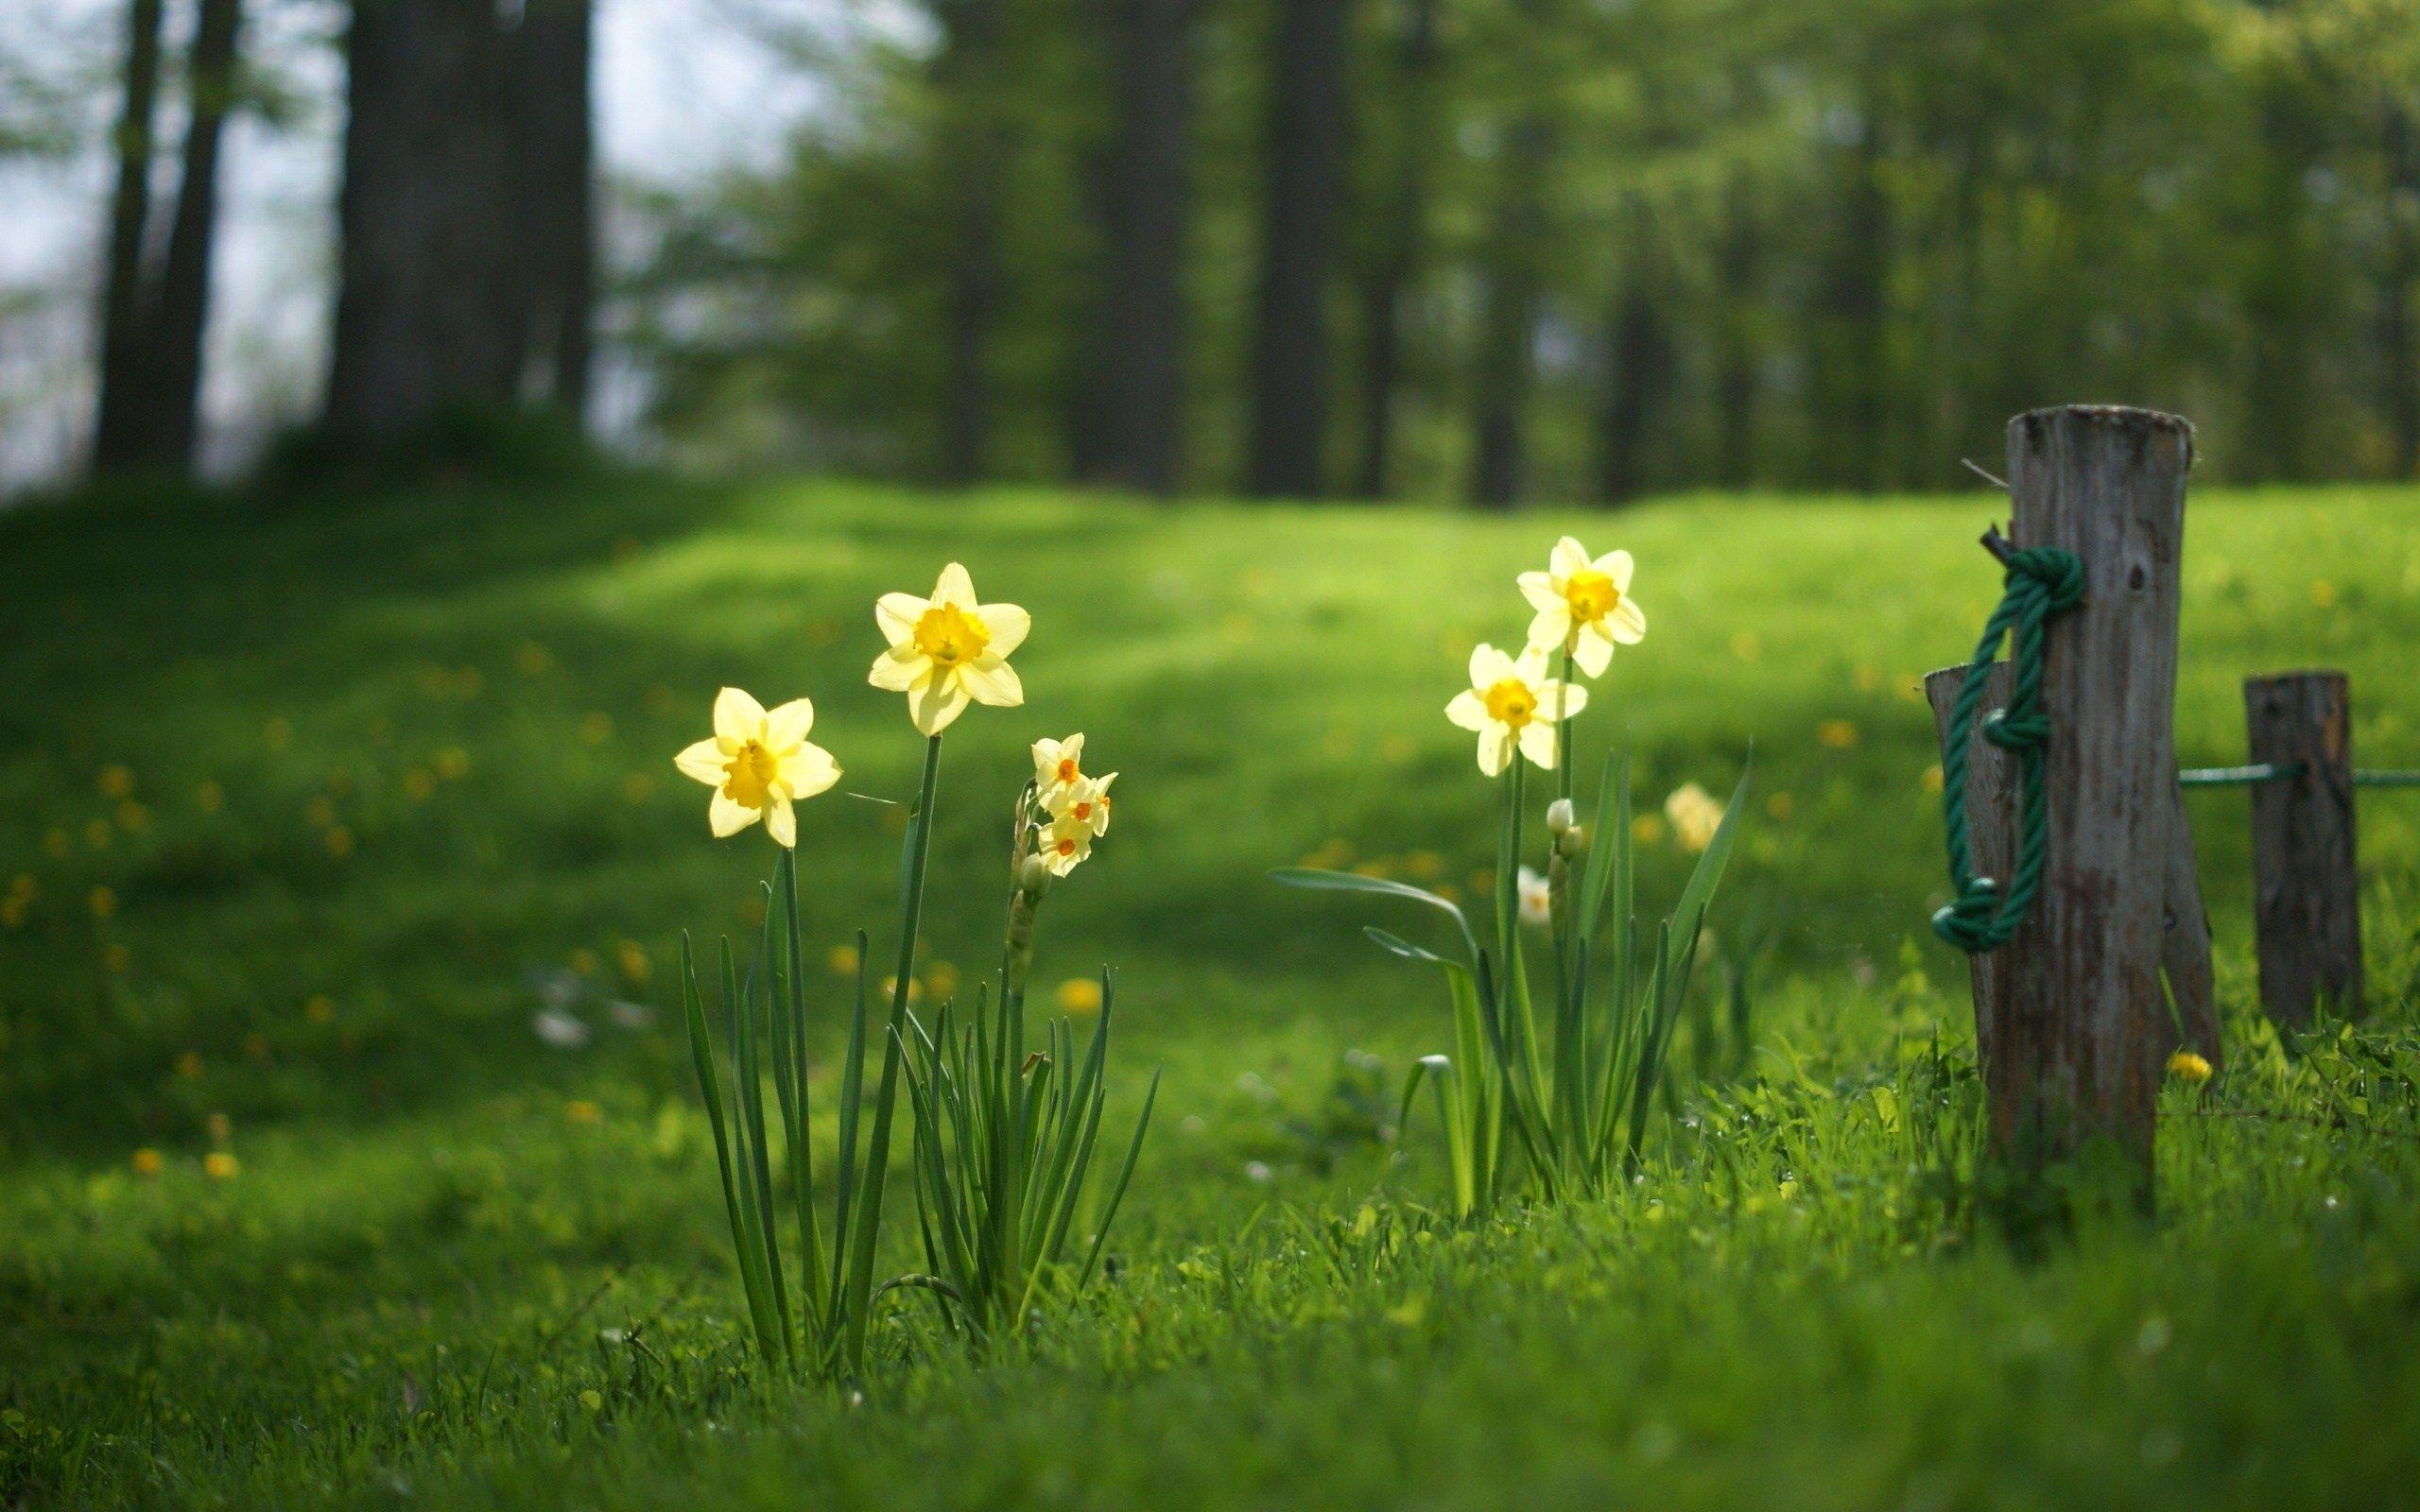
[(2184, 925), (2078, 1032), (2306, 896)]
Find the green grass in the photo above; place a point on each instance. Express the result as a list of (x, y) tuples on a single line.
[(460, 1267)]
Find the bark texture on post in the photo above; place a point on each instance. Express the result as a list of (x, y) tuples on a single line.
[(2080, 1055), (2184, 937), (2307, 897)]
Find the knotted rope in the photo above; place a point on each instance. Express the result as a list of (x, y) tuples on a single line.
[(2043, 582)]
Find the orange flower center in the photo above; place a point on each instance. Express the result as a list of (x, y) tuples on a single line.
[(950, 635), (1512, 702), (1081, 809), (1591, 594), (749, 775), (1067, 768)]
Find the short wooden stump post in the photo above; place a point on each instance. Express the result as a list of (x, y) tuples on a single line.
[(2074, 1023), (2306, 896)]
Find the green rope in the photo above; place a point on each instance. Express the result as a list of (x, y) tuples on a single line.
[(2286, 772), (2043, 582)]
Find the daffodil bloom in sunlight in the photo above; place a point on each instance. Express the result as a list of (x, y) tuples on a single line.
[(1086, 803), (1695, 814), (1058, 765), (758, 763), (948, 649), (1065, 845), (1584, 606), (1512, 702)]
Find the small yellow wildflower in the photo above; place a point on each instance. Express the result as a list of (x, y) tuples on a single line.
[(758, 763), (580, 1110), (1078, 994), (1836, 734), (219, 1166), (453, 763), (1932, 780), (1695, 816), (1512, 703), (418, 784), (189, 1065), (843, 960), (1646, 828), (2323, 594), (148, 1162), (221, 1127), (12, 912), (1065, 845), (940, 979), (320, 811), (2190, 1068), (320, 1008), (632, 957), (115, 782), (948, 649), (102, 902), (340, 841), (581, 961), (1584, 606), (1781, 807), (133, 817)]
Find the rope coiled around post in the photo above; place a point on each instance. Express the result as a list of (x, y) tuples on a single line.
[(2043, 582)]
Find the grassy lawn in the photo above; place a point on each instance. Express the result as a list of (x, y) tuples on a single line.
[(305, 810)]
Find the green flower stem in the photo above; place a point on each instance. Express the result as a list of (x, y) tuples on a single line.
[(866, 1221)]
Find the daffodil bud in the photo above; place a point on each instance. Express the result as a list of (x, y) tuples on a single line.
[(1572, 843), (1033, 876), (1559, 817)]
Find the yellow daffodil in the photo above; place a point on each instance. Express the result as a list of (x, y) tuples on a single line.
[(1696, 815), (1513, 703), (1058, 765), (1087, 803), (758, 763), (948, 649), (1584, 606), (1065, 845)]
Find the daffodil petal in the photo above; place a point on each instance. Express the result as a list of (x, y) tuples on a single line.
[(1567, 558), (1552, 628), (899, 668), (1593, 650), (703, 761), (781, 822), (1007, 623), (955, 587), (992, 680), (726, 818), (1495, 749), (1531, 666), (809, 770), (1627, 622), (737, 715), (934, 702), (1538, 743), (785, 726), (1539, 590), (897, 613), (1559, 700), (1466, 711), (1617, 566)]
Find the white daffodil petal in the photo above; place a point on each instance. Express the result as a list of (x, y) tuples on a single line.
[(1482, 665), (781, 822), (1553, 626), (955, 587), (1531, 668), (1567, 558), (1007, 624), (785, 726), (726, 818), (1537, 743), (809, 770), (897, 613), (993, 681), (1540, 590), (705, 762), (739, 717), (1627, 622), (1559, 700), (1466, 711), (899, 669), (1495, 749), (1594, 650), (1617, 566), (933, 702)]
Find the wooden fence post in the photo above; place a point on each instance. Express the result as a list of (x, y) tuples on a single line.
[(2185, 925), (2307, 895), (2079, 1058)]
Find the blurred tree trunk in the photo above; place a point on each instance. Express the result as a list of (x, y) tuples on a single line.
[(1514, 280), (1129, 429), (121, 291), (1738, 262), (430, 305), (971, 87), (1847, 388), (1302, 156), (179, 318), (557, 199), (1639, 354), (2284, 292), (2402, 389), (1403, 234)]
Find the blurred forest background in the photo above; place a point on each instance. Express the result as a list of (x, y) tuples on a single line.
[(1482, 251)]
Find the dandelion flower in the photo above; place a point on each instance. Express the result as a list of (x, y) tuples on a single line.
[(1065, 845), (948, 649), (1695, 816), (1584, 606), (219, 1166), (758, 763), (148, 1162), (1513, 703), (1078, 994), (2190, 1068)]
